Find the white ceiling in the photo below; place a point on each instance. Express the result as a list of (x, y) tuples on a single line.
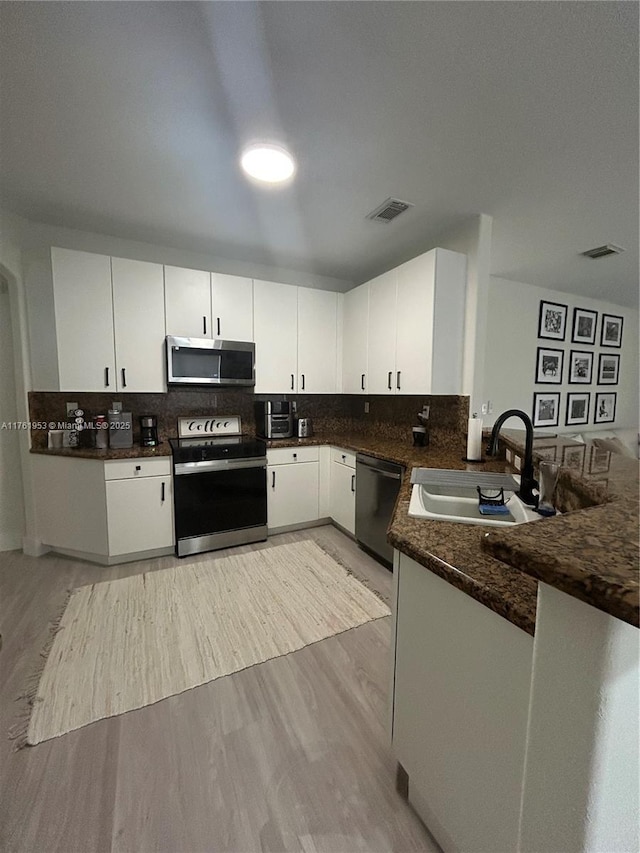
[(127, 118)]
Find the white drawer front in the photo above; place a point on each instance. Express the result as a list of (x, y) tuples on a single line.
[(347, 457), (124, 469), (287, 455)]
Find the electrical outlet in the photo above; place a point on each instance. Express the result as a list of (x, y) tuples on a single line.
[(509, 455), (366, 407), (489, 407), (484, 408), (517, 463)]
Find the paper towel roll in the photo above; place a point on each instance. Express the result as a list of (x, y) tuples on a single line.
[(474, 439)]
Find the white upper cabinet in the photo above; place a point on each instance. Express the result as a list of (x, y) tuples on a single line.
[(84, 320), (413, 336), (201, 304), (275, 318), (187, 299), (355, 340), (317, 341), (139, 326), (382, 334), (232, 307)]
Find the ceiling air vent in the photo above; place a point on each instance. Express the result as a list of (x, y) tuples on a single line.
[(603, 251), (388, 210)]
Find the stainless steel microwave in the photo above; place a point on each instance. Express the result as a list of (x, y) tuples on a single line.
[(203, 361)]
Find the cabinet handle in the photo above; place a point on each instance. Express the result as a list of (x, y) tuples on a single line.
[(353, 482), (204, 325), (362, 382), (389, 380), (218, 326), (295, 455), (273, 479), (162, 493), (292, 381), (398, 381), (124, 378), (106, 377), (302, 376), (344, 458), (138, 468)]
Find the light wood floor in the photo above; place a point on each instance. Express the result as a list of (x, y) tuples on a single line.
[(290, 755)]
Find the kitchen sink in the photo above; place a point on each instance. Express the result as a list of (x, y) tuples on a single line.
[(452, 496)]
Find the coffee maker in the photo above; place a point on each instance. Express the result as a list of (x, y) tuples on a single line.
[(148, 430)]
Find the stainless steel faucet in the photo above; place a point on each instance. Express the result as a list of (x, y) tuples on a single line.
[(527, 481)]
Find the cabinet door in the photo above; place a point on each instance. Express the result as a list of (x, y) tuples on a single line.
[(342, 496), (138, 313), (292, 493), (414, 325), (139, 514), (275, 320), (84, 320), (382, 334), (317, 340), (232, 307), (187, 301), (355, 340)]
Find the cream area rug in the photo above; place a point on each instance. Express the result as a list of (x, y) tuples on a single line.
[(127, 643)]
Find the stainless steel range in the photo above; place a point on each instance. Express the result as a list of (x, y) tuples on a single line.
[(220, 485)]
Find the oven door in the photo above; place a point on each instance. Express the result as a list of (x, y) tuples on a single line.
[(220, 503)]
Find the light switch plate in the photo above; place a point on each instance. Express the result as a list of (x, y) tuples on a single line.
[(366, 407)]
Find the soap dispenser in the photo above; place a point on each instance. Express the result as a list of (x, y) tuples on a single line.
[(421, 433)]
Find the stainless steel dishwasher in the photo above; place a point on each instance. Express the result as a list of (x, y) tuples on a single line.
[(377, 487)]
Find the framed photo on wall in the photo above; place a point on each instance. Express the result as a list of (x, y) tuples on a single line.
[(577, 408), (549, 366), (605, 409), (546, 408), (552, 321), (611, 331), (608, 368), (584, 326), (580, 367)]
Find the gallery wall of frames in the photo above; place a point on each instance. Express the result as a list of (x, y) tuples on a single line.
[(568, 361), (580, 347)]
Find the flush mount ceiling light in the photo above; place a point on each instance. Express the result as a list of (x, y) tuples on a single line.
[(268, 163)]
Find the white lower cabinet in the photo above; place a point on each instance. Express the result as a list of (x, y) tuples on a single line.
[(106, 512), (342, 489), (462, 676), (292, 486), (139, 514)]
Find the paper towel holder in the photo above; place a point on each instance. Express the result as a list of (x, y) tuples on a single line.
[(479, 461)]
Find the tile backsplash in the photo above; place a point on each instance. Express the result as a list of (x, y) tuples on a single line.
[(391, 417)]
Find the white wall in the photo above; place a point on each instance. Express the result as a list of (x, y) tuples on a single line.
[(581, 790), (510, 354), (15, 489)]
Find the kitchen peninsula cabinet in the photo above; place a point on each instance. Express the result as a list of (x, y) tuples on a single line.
[(293, 476), (461, 684), (201, 304), (110, 324)]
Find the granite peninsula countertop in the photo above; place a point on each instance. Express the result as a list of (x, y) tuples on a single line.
[(590, 553)]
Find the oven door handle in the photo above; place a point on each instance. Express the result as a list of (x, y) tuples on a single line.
[(183, 468)]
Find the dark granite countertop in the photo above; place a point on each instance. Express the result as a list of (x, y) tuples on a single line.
[(135, 452), (590, 553)]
